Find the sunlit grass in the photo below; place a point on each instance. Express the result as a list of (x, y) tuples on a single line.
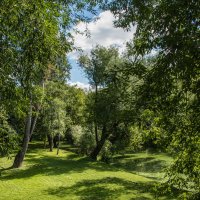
[(45, 175)]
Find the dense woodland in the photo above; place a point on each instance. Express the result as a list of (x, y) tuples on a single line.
[(147, 97)]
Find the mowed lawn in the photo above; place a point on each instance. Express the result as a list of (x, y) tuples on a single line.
[(46, 176)]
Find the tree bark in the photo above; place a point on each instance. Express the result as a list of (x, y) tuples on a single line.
[(100, 144), (37, 110), (33, 124), (55, 140), (96, 133), (95, 116), (58, 146), (29, 128), (45, 141), (51, 143), (19, 158)]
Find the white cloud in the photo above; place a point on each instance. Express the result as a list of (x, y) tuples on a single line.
[(102, 32), (83, 86)]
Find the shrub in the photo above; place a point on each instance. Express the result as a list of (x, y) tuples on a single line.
[(8, 136), (83, 138)]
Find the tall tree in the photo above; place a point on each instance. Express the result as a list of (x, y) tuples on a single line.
[(33, 35), (105, 104), (94, 67), (171, 86)]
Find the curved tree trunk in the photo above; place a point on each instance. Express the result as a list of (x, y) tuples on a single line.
[(100, 144), (21, 154), (29, 128)]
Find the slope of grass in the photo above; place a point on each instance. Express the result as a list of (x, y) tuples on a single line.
[(69, 176)]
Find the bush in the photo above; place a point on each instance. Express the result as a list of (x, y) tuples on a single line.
[(8, 137), (83, 138), (107, 152)]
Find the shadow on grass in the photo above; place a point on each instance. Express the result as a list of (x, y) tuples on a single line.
[(49, 165), (52, 165), (123, 156), (107, 188), (99, 189), (148, 164)]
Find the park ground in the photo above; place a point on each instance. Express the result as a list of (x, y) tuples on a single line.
[(46, 176)]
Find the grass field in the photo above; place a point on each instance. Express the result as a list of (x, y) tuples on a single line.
[(45, 176)]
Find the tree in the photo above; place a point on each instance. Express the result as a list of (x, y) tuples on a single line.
[(32, 36), (105, 105), (55, 114), (94, 67), (171, 86)]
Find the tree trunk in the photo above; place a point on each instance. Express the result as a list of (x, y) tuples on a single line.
[(19, 158), (95, 116), (29, 128), (58, 146), (51, 143), (100, 144), (33, 125), (55, 140), (96, 133), (45, 141)]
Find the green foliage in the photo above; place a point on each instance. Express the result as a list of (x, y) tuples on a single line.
[(136, 141), (54, 110), (77, 132), (83, 139), (170, 82), (107, 152), (34, 40), (146, 98), (152, 130), (98, 63), (75, 104), (8, 137)]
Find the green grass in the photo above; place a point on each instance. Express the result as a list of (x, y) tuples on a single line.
[(45, 176)]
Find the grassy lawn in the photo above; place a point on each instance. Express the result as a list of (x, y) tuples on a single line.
[(45, 176)]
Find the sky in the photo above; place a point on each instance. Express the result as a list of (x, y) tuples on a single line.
[(102, 32)]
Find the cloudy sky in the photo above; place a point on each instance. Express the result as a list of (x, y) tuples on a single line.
[(101, 32)]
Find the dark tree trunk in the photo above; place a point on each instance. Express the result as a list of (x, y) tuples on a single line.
[(95, 116), (58, 145), (96, 133), (55, 140), (51, 143), (45, 141), (31, 138), (100, 144), (21, 154)]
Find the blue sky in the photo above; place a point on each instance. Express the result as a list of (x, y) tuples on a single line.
[(101, 32), (77, 74)]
